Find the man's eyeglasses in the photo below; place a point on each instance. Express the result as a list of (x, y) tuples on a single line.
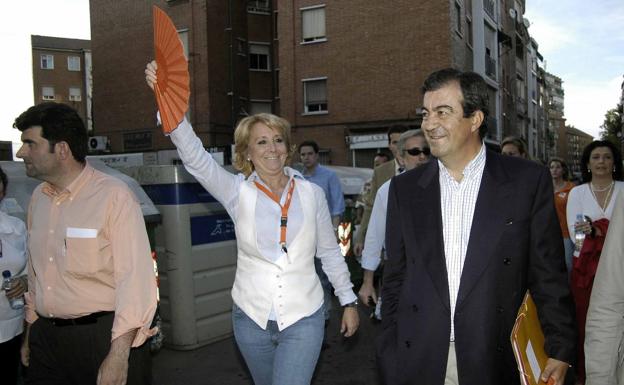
[(415, 151)]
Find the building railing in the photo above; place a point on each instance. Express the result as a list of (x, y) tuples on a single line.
[(488, 6), (258, 6)]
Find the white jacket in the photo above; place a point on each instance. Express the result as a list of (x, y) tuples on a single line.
[(604, 331)]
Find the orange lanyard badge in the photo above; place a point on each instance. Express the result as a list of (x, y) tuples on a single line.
[(284, 217)]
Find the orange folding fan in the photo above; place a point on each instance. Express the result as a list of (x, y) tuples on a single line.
[(172, 89)]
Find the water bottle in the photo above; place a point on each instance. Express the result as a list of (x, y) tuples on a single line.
[(579, 236), (16, 303)]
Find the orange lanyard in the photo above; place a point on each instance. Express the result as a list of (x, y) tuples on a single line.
[(284, 217)]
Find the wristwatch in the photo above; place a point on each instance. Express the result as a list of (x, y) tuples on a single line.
[(352, 304)]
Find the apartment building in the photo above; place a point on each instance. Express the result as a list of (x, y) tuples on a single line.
[(62, 73), (341, 72), (575, 140)]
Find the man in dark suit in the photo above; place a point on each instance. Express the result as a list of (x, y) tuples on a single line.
[(381, 174), (467, 235)]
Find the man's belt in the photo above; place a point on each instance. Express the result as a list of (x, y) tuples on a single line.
[(84, 320)]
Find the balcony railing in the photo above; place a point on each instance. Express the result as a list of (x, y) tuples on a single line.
[(489, 5), (258, 6)]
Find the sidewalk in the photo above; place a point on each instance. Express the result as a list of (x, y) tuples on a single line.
[(345, 362)]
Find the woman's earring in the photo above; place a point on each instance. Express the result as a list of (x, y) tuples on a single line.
[(589, 170)]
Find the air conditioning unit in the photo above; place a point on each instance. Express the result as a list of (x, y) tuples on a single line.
[(98, 143)]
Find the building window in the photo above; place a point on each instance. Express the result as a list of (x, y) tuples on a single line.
[(47, 93), (74, 94), (315, 96), (259, 57), (259, 106), (73, 63), (458, 19), (241, 47), (47, 62), (313, 24), (183, 35), (258, 6), (469, 29)]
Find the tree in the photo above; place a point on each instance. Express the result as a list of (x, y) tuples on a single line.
[(611, 129)]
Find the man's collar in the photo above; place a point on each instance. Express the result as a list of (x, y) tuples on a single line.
[(72, 189), (477, 163)]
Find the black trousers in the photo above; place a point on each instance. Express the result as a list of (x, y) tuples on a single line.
[(72, 355), (10, 359)]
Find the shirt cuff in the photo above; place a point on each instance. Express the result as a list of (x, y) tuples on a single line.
[(30, 314), (347, 297), (369, 263)]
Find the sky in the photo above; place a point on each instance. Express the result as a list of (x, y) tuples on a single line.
[(582, 42), (19, 20)]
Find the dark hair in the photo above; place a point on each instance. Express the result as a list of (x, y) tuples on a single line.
[(309, 143), (473, 87), (59, 123), (617, 159), (564, 166), (4, 179), (396, 129), (515, 141), (383, 155)]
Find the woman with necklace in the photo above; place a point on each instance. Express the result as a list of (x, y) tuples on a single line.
[(281, 221), (601, 168), (562, 186)]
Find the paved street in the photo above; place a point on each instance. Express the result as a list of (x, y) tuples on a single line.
[(344, 362)]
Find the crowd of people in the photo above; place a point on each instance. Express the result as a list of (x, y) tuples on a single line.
[(455, 233)]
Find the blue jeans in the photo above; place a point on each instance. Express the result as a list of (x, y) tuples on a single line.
[(327, 288), (274, 357)]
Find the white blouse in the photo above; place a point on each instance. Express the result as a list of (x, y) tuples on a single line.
[(582, 201), (13, 258)]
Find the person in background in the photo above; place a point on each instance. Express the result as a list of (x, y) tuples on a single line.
[(282, 222), (513, 146), (91, 287), (594, 200), (562, 186), (467, 236), (413, 151), (380, 158), (604, 360), (329, 182), (13, 259), (380, 175)]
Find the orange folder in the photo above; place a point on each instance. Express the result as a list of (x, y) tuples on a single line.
[(527, 340)]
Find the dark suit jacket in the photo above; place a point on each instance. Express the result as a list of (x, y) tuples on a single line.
[(515, 244)]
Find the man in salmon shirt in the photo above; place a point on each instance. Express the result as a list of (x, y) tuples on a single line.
[(92, 292)]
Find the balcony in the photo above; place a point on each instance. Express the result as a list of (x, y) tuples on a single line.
[(258, 6), (490, 67)]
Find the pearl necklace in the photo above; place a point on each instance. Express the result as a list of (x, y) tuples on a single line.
[(602, 206), (605, 188)]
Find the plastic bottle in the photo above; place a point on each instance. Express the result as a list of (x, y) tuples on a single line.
[(16, 303), (579, 236)]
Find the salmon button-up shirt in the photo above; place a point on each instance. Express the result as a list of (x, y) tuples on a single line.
[(89, 252)]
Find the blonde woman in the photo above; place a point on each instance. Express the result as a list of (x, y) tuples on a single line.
[(282, 222)]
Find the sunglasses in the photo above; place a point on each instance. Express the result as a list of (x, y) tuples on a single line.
[(415, 151)]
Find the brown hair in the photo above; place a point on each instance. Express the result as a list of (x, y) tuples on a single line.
[(564, 166), (518, 142), (243, 132)]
